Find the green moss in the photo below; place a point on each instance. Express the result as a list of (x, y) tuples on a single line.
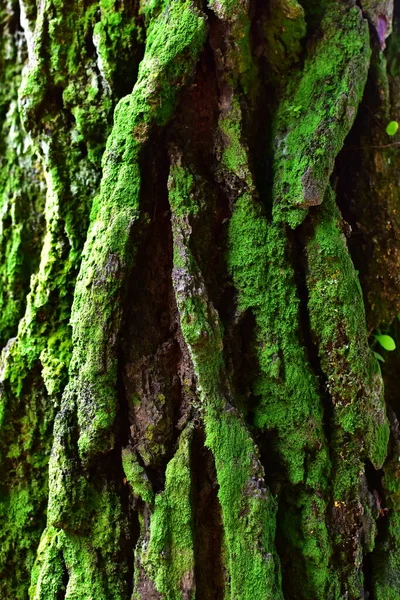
[(238, 57), (89, 511), (174, 40), (64, 158), (387, 566), (48, 573), (386, 558), (136, 476), (55, 359), (20, 533), (248, 510), (21, 192), (304, 527), (176, 182), (169, 558), (284, 30), (353, 374), (234, 157), (289, 403), (359, 426), (317, 113), (81, 564), (264, 279)]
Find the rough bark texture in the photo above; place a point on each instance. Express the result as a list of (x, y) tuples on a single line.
[(199, 240)]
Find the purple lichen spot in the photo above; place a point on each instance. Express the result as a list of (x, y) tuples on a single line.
[(381, 29)]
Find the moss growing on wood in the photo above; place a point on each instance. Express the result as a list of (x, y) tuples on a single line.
[(169, 557), (289, 403), (317, 113), (289, 400), (174, 40), (353, 376), (248, 510), (83, 566), (81, 59), (66, 151), (136, 476), (360, 429)]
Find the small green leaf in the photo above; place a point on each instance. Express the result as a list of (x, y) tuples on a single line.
[(379, 356), (392, 128), (386, 341)]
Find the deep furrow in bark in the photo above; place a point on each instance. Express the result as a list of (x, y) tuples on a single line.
[(248, 511), (79, 505), (208, 530)]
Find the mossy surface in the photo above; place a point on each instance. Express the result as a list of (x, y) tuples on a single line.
[(284, 29), (289, 403), (310, 127), (360, 429), (169, 557), (353, 376), (174, 40), (136, 476), (83, 566), (248, 509), (56, 168), (386, 560), (188, 402)]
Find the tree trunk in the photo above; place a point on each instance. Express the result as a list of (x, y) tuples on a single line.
[(199, 256)]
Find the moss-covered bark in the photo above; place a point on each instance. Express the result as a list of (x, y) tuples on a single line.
[(199, 240)]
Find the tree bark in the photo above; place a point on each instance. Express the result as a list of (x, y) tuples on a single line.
[(199, 252)]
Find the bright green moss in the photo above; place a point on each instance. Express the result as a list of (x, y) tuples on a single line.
[(48, 573), (174, 40), (60, 62), (178, 180), (262, 274), (68, 562), (248, 510), (289, 402), (304, 526), (21, 194), (20, 534), (169, 558), (136, 476), (252, 564), (353, 375), (319, 109), (358, 424), (234, 157), (55, 359)]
